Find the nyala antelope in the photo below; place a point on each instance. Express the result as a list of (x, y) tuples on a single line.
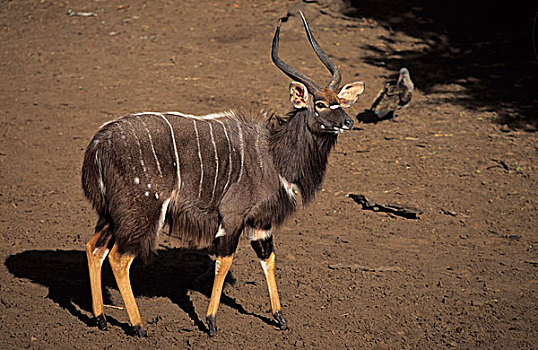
[(209, 178)]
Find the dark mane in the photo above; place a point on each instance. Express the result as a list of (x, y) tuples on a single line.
[(299, 155)]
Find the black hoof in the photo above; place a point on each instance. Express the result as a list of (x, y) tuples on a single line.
[(140, 331), (281, 321), (212, 325), (101, 322)]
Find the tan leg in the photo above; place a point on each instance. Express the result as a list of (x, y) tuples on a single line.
[(269, 271), (120, 267), (96, 256), (222, 266)]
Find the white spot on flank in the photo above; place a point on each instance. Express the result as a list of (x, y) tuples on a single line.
[(136, 180), (156, 195), (146, 193), (149, 186)]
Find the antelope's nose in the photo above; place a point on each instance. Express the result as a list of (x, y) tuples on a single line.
[(348, 123)]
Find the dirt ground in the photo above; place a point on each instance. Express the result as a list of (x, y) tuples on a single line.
[(463, 275)]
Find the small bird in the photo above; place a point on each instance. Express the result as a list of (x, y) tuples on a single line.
[(394, 97)]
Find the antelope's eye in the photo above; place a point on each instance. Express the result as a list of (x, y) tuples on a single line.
[(321, 105)]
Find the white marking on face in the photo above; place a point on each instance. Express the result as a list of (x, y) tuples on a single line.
[(175, 151), (334, 106), (152, 147), (216, 161), (257, 234), (199, 158), (241, 150), (136, 180)]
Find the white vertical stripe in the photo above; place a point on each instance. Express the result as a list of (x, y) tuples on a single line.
[(152, 147), (257, 146), (241, 149), (162, 216), (144, 169), (127, 148), (101, 183), (216, 160), (175, 150), (229, 156), (200, 158)]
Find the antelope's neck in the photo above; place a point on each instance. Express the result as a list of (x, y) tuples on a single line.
[(301, 156)]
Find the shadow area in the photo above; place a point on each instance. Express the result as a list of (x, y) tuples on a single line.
[(473, 53), (172, 274), (369, 117)]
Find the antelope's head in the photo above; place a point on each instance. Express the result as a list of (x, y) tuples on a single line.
[(324, 104)]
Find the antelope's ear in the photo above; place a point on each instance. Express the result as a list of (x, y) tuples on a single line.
[(298, 95), (350, 93)]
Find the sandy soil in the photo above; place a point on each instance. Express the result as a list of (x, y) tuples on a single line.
[(462, 275)]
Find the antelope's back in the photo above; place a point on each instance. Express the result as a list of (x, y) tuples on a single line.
[(139, 164)]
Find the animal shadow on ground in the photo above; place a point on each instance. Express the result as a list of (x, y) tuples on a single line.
[(171, 274)]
